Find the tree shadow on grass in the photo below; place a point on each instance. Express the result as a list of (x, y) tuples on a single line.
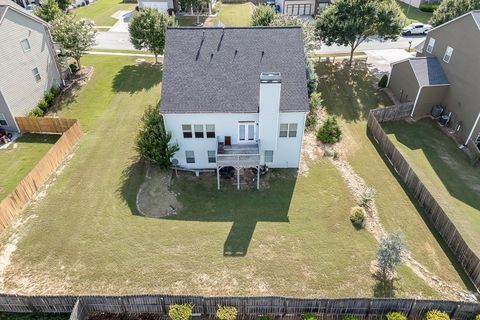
[(132, 178), (137, 77), (384, 287), (451, 257)]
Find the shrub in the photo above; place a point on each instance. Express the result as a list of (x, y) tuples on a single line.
[(436, 315), (309, 316), (383, 81), (264, 317), (357, 216), (73, 67), (429, 7), (36, 112), (51, 95), (315, 103), (262, 15), (395, 316), (477, 317), (42, 104), (350, 317), (312, 77), (368, 197), (330, 131), (226, 313), (180, 311)]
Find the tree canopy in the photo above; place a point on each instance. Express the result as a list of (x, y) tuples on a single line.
[(310, 37), (147, 30), (48, 10), (451, 9), (351, 22), (194, 5), (263, 15), (63, 4), (75, 36)]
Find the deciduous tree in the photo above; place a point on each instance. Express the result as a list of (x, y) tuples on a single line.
[(451, 9), (389, 254), (48, 10), (147, 30), (263, 15)]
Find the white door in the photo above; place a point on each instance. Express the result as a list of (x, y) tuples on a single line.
[(246, 132)]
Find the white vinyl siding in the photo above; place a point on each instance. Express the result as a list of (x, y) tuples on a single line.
[(448, 54), (431, 45)]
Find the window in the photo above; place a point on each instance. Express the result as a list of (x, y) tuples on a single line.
[(288, 130), (36, 74), (210, 128), (268, 155), (25, 45), (187, 130), (198, 130), (448, 54), (431, 44), (246, 131), (3, 120), (212, 156), (190, 156)]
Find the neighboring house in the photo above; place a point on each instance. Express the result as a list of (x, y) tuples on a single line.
[(296, 7), (235, 96), (418, 3), (445, 73), (160, 5), (28, 66)]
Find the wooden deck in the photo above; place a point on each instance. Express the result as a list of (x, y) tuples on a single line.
[(239, 156)]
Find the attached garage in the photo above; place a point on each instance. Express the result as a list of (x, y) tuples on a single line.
[(161, 6)]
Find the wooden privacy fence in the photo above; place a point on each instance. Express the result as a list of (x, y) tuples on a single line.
[(30, 184), (445, 227), (248, 307)]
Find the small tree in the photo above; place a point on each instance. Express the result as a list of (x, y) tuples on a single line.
[(147, 30), (263, 15), (194, 5), (330, 131), (351, 22), (451, 9), (315, 104), (312, 77), (389, 254), (75, 36), (48, 10), (153, 142)]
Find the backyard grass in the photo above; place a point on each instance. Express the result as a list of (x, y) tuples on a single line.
[(445, 170), (101, 11), (235, 15), (414, 14), (20, 157), (292, 238)]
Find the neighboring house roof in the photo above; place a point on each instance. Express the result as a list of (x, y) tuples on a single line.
[(428, 71), (217, 70), (9, 4), (475, 14)]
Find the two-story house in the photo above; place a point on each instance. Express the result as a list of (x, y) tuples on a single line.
[(28, 65), (235, 96), (445, 72)]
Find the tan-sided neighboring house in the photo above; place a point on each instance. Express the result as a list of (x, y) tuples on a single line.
[(445, 72), (28, 65)]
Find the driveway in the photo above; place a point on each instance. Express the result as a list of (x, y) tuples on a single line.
[(117, 37), (379, 61)]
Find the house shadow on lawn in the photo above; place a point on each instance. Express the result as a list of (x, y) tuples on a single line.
[(201, 201), (137, 77)]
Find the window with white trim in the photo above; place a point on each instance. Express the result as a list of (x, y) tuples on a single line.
[(190, 156), (288, 130), (36, 74), (268, 155), (198, 128), (212, 156), (210, 129), (187, 130), (431, 44), (448, 54), (246, 131), (3, 120), (25, 45)]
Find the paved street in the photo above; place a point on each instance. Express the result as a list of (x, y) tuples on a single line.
[(401, 43), (113, 41)]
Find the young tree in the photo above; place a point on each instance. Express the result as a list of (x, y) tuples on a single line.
[(75, 36), (194, 5), (351, 22), (451, 9), (48, 10), (147, 30), (263, 15), (153, 142), (389, 254)]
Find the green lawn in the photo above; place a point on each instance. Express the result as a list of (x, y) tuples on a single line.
[(293, 238), (414, 14), (101, 11), (445, 170), (235, 15), (20, 158)]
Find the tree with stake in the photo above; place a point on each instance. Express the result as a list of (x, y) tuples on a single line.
[(147, 30), (75, 36), (351, 22)]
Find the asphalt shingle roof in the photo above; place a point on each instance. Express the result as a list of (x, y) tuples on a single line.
[(217, 70), (428, 71)]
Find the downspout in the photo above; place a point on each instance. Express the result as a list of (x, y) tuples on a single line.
[(473, 128)]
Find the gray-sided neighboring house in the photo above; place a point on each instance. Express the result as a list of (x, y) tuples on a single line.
[(301, 7), (235, 97), (28, 65), (445, 72)]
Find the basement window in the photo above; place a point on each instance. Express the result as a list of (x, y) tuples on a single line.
[(187, 130), (212, 156), (268, 155), (190, 156), (448, 54)]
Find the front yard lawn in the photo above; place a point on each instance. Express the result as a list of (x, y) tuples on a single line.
[(235, 15), (414, 14), (20, 158), (101, 11), (445, 170), (291, 238)]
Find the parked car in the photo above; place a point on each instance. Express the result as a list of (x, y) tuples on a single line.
[(416, 28), (30, 7)]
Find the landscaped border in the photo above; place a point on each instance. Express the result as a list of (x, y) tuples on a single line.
[(71, 132), (442, 223)]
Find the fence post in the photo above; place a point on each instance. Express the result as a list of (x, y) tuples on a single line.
[(411, 308)]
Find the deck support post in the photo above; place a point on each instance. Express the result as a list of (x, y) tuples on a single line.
[(238, 178), (218, 178), (258, 177)]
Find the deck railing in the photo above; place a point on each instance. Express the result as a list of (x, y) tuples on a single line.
[(238, 160)]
